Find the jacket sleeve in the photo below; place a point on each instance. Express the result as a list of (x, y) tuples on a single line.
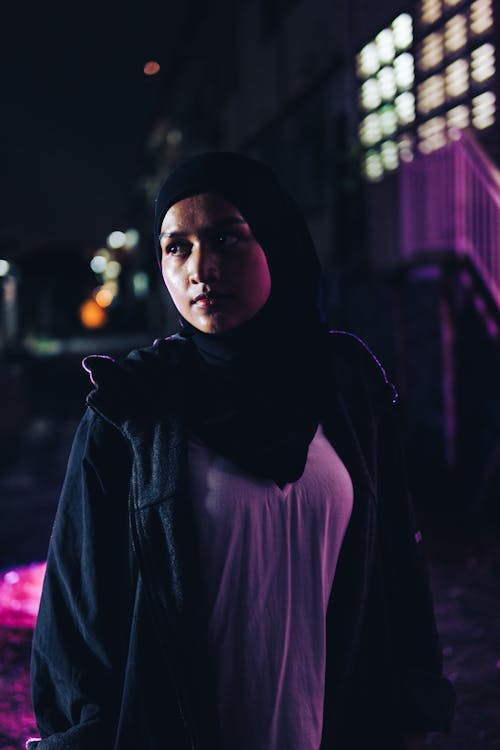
[(82, 621), (426, 699)]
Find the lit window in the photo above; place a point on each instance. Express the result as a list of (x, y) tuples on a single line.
[(385, 46), (405, 147), (430, 11), (483, 110), (387, 83), (370, 130), (457, 78), (458, 117), (368, 61), (483, 62), (402, 30), (405, 108), (386, 69), (481, 16), (455, 33), (388, 120), (389, 154), (370, 94), (404, 71), (431, 127), (432, 134), (373, 166), (431, 51), (430, 94)]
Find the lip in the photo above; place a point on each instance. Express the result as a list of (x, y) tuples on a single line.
[(208, 299)]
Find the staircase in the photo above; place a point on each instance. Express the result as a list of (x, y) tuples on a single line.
[(450, 243), (450, 203)]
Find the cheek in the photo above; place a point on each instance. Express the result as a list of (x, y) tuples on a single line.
[(174, 283), (262, 276), (265, 279)]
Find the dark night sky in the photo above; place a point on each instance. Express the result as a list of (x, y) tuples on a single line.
[(76, 107)]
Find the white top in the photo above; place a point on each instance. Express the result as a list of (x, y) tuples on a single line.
[(268, 561)]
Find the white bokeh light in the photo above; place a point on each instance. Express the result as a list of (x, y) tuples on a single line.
[(402, 29), (98, 263), (116, 240), (385, 46), (4, 267), (370, 94), (404, 71), (368, 60), (387, 83)]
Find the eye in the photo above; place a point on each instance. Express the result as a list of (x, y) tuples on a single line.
[(226, 240), (178, 249)]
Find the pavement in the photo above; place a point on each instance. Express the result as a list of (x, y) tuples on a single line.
[(464, 559)]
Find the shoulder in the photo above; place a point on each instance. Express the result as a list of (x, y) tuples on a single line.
[(165, 352), (355, 365), (98, 443), (136, 382)]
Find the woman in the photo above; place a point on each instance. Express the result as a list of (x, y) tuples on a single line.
[(234, 562)]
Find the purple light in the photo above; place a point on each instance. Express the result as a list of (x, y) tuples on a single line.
[(20, 591), (492, 327)]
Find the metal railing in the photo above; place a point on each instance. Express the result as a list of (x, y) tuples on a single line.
[(450, 201)]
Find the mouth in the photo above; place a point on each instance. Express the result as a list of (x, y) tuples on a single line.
[(209, 299)]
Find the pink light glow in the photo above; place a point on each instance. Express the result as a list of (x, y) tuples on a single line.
[(151, 68), (492, 327), (20, 591)]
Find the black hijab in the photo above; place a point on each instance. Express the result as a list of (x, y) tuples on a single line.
[(254, 393)]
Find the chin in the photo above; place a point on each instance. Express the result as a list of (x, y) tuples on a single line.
[(213, 324)]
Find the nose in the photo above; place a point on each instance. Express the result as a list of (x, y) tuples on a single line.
[(202, 264)]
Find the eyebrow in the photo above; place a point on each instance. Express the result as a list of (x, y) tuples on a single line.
[(218, 224)]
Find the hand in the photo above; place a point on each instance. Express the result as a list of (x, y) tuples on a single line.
[(414, 741)]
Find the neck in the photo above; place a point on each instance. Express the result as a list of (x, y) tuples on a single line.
[(266, 337)]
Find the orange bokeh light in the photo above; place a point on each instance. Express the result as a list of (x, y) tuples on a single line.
[(104, 297), (151, 68), (91, 315)]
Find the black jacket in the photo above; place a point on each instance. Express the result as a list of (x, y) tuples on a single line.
[(119, 658)]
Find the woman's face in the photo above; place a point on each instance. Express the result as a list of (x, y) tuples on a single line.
[(214, 269)]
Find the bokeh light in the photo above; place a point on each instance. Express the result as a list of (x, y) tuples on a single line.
[(140, 282), (113, 270), (151, 68), (92, 315), (104, 297), (20, 591), (4, 267), (116, 240), (98, 263), (387, 75), (131, 239), (174, 137)]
